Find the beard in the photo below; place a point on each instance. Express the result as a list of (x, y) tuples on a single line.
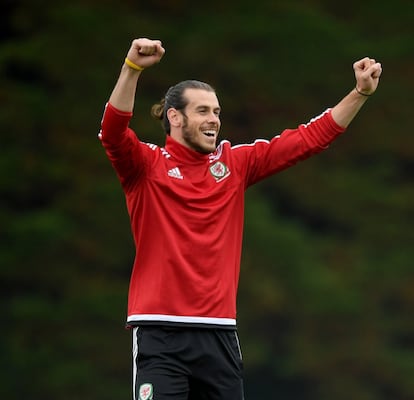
[(193, 138)]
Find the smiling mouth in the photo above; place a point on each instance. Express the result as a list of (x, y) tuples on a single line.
[(210, 133)]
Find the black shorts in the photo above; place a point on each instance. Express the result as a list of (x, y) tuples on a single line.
[(186, 364)]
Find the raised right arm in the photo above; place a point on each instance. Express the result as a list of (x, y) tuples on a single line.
[(142, 54)]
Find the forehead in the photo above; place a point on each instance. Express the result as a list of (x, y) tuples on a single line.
[(201, 97)]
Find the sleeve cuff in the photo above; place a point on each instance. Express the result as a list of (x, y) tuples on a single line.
[(117, 111)]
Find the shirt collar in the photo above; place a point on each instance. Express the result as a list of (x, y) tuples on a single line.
[(183, 153)]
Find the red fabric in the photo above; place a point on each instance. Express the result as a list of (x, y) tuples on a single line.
[(186, 212)]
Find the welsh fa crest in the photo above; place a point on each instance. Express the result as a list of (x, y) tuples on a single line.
[(146, 392), (219, 170)]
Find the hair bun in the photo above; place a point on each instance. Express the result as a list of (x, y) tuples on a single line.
[(157, 110)]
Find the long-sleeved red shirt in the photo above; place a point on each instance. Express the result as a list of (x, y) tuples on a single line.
[(187, 210)]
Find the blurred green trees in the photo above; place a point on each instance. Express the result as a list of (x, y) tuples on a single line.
[(327, 288)]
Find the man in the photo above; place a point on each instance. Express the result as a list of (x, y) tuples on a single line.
[(185, 202)]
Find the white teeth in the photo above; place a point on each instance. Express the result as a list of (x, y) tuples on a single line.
[(209, 133)]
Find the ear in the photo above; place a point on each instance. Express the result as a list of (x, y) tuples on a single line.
[(174, 117)]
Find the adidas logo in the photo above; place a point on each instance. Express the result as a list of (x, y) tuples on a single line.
[(175, 173)]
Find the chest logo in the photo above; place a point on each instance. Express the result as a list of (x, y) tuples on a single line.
[(175, 173), (220, 171)]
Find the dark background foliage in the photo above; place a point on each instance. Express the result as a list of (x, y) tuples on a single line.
[(327, 288)]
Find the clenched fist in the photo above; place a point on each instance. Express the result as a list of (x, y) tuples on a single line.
[(145, 52), (367, 73)]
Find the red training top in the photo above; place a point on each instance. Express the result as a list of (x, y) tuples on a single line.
[(187, 211)]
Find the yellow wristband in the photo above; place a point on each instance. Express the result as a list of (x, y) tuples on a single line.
[(133, 65)]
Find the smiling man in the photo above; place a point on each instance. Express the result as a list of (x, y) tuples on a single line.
[(197, 125), (186, 204)]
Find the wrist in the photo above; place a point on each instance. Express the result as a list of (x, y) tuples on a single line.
[(132, 65), (362, 93)]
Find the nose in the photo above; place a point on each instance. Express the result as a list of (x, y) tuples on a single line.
[(213, 117)]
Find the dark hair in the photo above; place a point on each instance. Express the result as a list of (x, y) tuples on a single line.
[(175, 98)]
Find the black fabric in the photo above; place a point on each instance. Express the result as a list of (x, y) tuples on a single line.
[(187, 364)]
